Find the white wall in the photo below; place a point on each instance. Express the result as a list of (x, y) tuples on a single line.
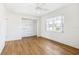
[(2, 26), (38, 27), (71, 26), (14, 26)]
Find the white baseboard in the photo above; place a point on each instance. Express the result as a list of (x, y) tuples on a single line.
[(72, 45)]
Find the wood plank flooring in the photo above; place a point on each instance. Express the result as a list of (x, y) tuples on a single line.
[(37, 46)]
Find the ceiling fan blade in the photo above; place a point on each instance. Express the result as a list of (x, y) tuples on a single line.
[(39, 6)]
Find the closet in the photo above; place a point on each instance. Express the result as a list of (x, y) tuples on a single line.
[(29, 27)]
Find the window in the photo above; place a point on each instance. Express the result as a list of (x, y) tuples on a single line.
[(55, 24)]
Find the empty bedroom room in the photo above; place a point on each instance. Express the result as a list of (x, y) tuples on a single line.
[(39, 28)]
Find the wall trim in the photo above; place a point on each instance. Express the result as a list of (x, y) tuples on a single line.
[(30, 36), (59, 43)]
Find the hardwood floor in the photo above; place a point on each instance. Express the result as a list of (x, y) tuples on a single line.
[(37, 46)]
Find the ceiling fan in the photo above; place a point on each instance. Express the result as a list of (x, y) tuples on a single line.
[(40, 6)]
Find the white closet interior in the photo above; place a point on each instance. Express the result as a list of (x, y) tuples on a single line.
[(29, 27)]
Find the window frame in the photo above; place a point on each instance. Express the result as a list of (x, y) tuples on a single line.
[(53, 20)]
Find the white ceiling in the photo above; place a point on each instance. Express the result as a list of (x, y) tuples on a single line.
[(30, 8)]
